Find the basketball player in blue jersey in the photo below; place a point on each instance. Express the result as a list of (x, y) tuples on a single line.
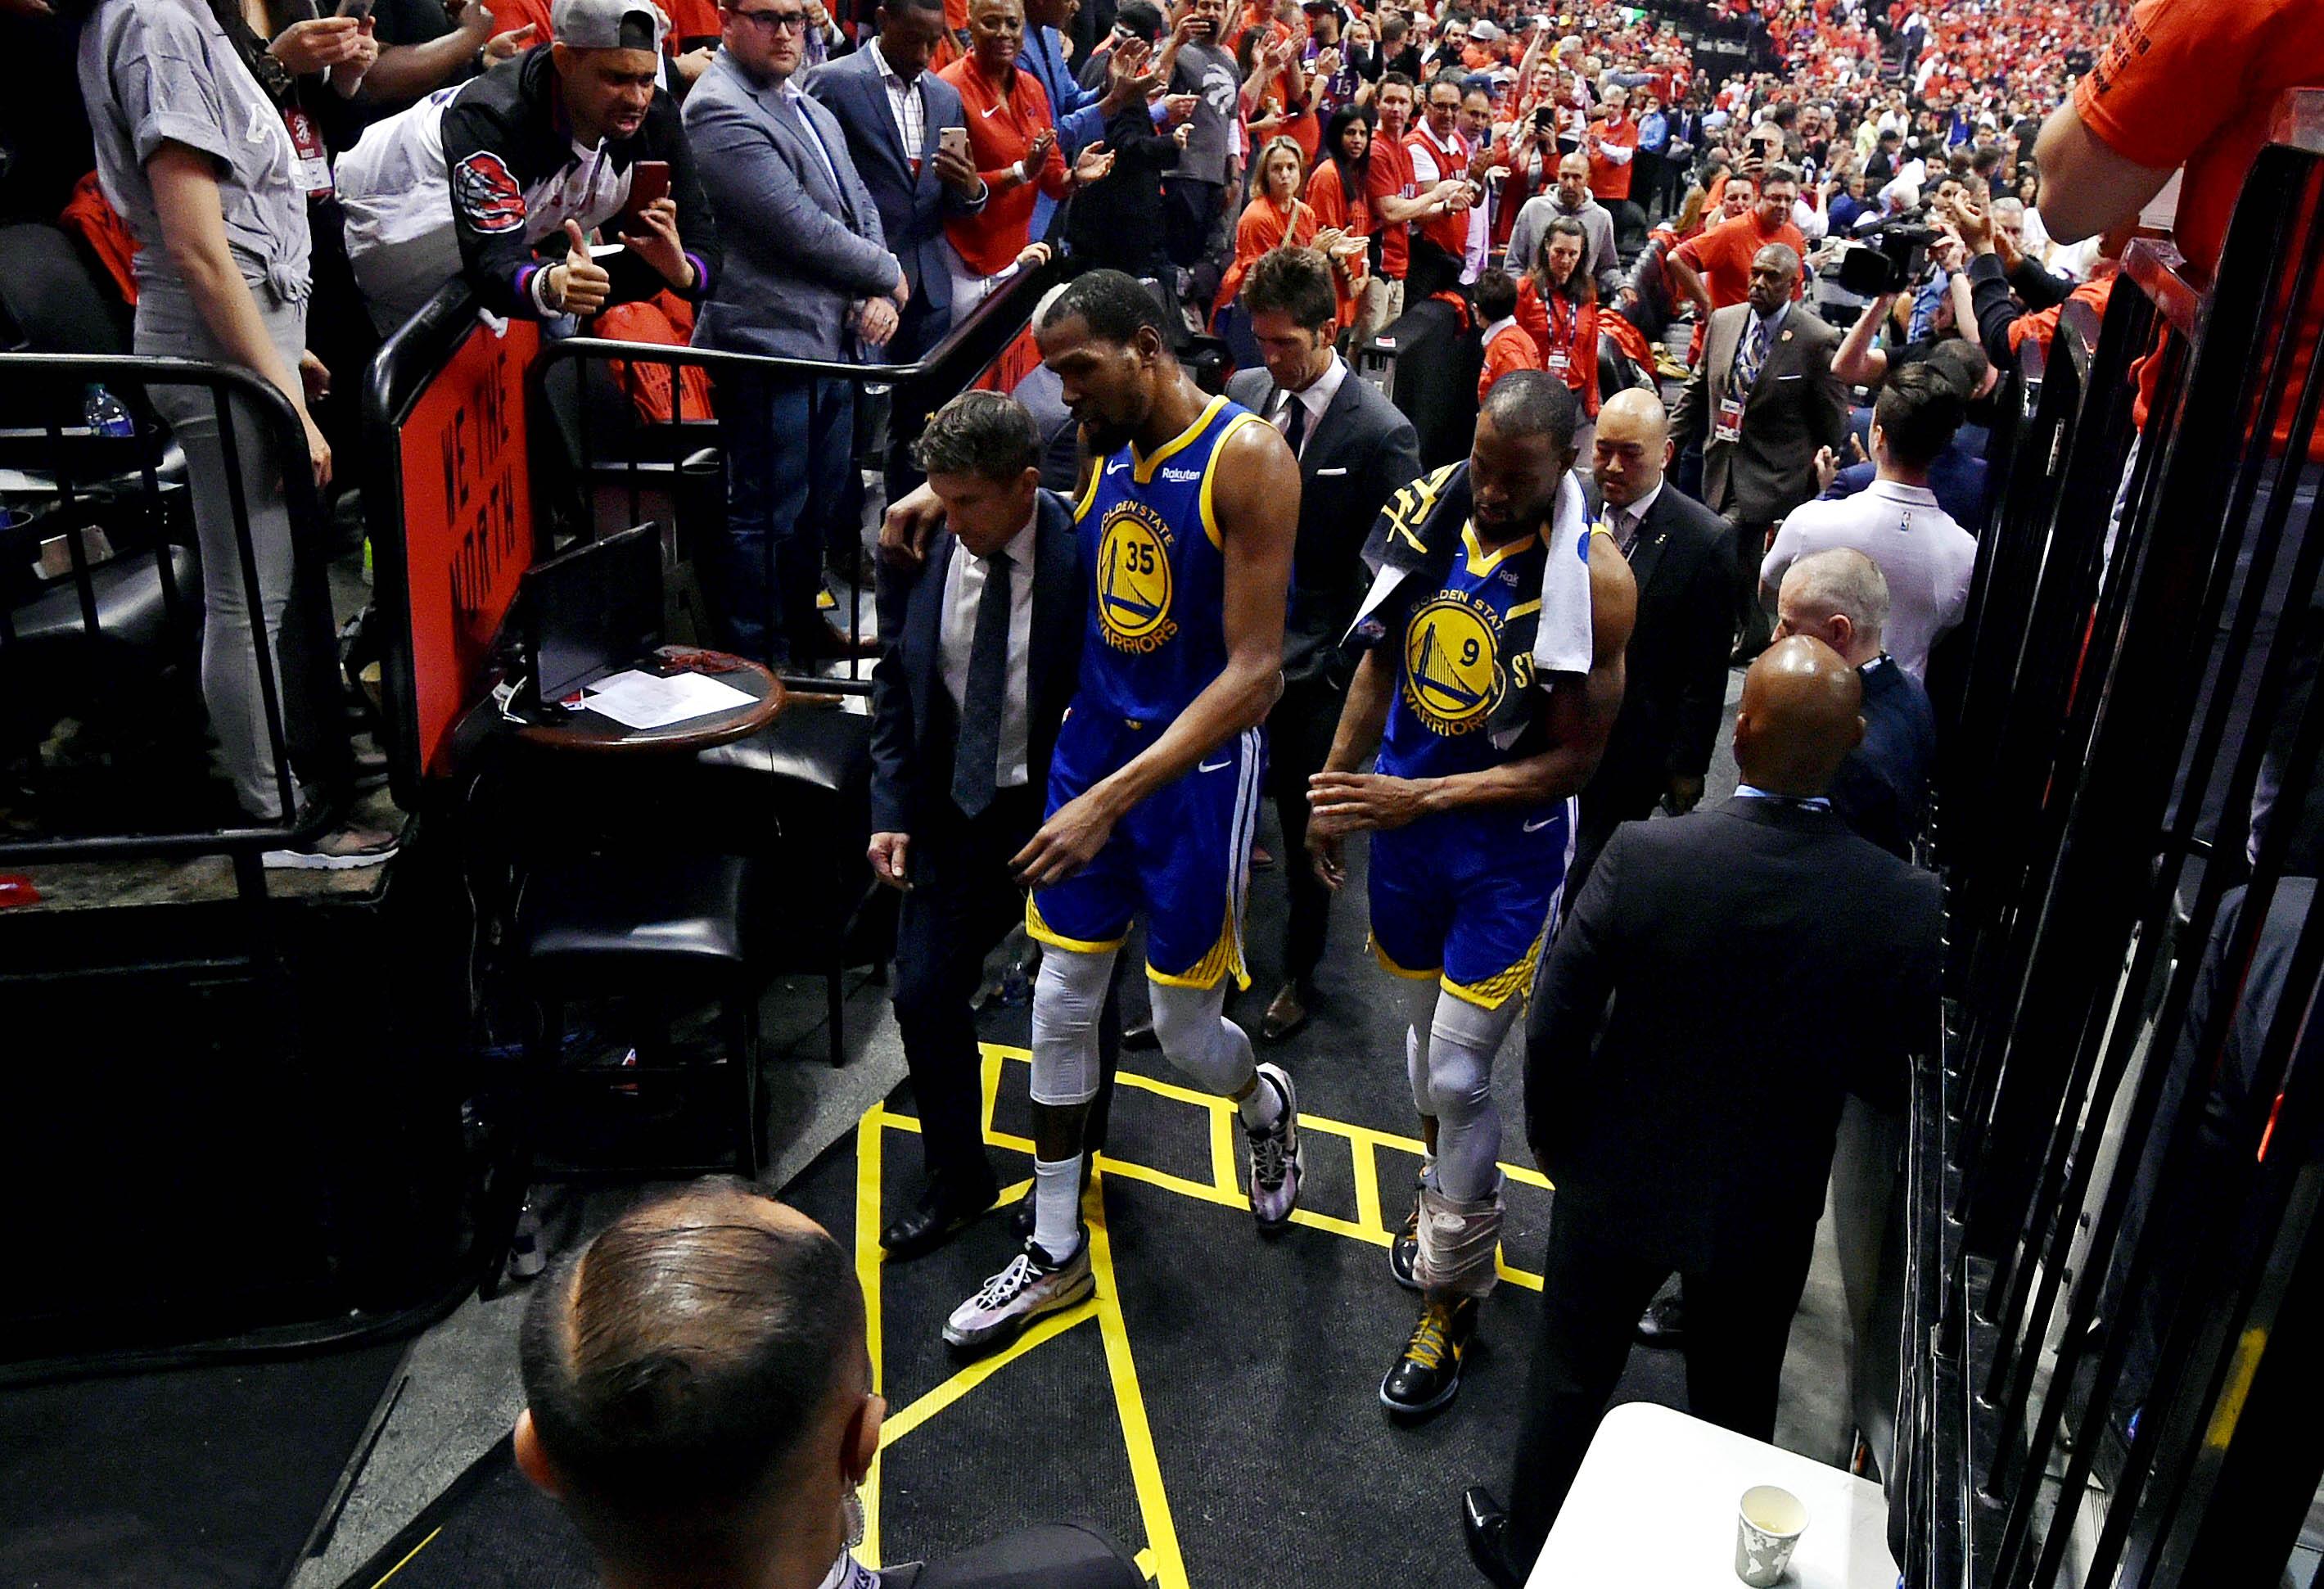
[(1492, 679), (1185, 527)]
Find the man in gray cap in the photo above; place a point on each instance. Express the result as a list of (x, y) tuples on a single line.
[(544, 148)]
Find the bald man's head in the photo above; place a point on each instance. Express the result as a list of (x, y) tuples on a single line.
[(695, 1373), (1633, 447), (1799, 717), (1774, 273)]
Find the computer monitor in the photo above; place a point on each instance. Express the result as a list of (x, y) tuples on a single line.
[(592, 611)]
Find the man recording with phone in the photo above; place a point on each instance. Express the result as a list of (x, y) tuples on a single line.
[(577, 137)]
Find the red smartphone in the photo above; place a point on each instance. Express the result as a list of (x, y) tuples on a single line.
[(648, 181)]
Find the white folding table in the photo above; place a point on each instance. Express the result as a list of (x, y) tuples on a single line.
[(1653, 1507)]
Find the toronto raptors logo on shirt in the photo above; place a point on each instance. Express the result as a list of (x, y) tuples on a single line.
[(487, 194)]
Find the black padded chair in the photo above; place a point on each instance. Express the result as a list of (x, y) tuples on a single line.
[(669, 928), (808, 777)]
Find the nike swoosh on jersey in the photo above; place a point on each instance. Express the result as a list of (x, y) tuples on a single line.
[(1537, 826), (1216, 766), (989, 109)]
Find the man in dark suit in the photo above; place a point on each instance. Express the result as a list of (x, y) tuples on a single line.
[(984, 644), (1840, 597), (1694, 1134), (881, 94), (1682, 557), (1762, 402), (1355, 451)]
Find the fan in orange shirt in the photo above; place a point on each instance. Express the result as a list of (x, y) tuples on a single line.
[(1507, 345), (1338, 193), (1275, 216), (1557, 305), (2185, 82)]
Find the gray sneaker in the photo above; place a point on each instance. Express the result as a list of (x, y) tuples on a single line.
[(1028, 1288), (1277, 1157)]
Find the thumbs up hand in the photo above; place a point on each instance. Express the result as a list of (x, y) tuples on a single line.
[(580, 285)]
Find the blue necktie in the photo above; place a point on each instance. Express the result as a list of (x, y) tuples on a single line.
[(976, 760)]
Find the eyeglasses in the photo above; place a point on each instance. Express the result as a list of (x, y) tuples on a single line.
[(774, 21)]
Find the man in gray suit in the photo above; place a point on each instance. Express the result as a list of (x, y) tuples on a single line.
[(881, 96), (809, 276), (1762, 400), (1355, 449)]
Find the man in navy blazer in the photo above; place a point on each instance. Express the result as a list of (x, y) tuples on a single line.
[(965, 706), (873, 94), (809, 276)]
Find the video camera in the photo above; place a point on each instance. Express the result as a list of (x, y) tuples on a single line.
[(1889, 259)]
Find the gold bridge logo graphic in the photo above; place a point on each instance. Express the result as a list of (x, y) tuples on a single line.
[(1133, 579), (1452, 668)]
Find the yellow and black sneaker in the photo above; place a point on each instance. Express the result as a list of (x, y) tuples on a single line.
[(1426, 1374)]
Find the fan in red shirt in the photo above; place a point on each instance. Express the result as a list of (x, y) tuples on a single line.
[(2185, 82), (1612, 145), (1012, 136), (1557, 305), (1714, 269)]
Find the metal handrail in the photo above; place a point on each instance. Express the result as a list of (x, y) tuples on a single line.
[(228, 384)]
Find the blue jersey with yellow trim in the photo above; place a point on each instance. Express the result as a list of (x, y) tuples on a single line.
[(1461, 646), (1152, 542)]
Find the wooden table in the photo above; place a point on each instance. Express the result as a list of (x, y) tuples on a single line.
[(1653, 1507), (587, 732)]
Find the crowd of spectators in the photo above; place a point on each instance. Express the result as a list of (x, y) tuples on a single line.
[(1826, 266)]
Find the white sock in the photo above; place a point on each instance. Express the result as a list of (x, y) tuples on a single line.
[(1057, 1206), (1263, 1108)]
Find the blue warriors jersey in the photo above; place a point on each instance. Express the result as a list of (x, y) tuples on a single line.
[(1152, 542), (1462, 650)]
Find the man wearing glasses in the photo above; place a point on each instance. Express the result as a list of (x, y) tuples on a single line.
[(807, 275)]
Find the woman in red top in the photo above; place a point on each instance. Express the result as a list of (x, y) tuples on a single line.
[(1275, 218), (1277, 100), (1558, 307), (1012, 138), (1338, 193)]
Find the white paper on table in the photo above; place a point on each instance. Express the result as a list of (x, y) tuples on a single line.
[(636, 699)]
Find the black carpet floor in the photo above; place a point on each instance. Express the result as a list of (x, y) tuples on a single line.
[(1216, 1407), (202, 1478)]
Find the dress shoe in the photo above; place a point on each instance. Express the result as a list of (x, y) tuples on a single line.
[(1663, 1323), (1486, 1527), (1286, 1012), (940, 1215)]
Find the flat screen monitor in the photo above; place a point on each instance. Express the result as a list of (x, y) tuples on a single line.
[(592, 611)]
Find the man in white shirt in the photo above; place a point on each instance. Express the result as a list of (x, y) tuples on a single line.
[(982, 645), (1926, 558)]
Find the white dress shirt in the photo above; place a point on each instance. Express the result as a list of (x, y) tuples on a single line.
[(1315, 398), (1925, 556), (906, 104), (965, 579)]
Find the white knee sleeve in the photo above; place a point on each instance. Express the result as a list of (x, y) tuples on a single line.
[(1419, 1014), (1067, 998), (1462, 1040), (1212, 1051)]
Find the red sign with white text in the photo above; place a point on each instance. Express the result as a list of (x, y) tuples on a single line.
[(467, 520)]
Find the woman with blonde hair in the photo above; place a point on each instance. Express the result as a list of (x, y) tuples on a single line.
[(1275, 216)]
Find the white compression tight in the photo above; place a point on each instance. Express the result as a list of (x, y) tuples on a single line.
[(1195, 1035), (1448, 1053)]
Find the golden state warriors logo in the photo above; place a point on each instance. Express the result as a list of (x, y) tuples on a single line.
[(1133, 579), (1452, 673)]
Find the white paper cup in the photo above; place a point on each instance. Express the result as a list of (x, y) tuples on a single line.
[(1768, 1522)]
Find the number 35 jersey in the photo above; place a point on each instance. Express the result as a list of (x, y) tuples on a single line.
[(1150, 539)]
